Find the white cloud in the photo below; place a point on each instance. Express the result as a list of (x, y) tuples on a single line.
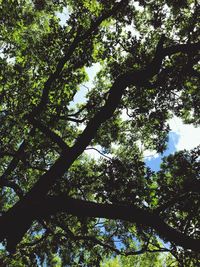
[(80, 96), (63, 16), (150, 154), (189, 136), (93, 153), (92, 71)]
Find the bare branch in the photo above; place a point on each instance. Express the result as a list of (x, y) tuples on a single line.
[(95, 149)]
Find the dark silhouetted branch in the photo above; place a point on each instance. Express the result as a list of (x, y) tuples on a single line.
[(95, 149), (131, 213), (49, 133)]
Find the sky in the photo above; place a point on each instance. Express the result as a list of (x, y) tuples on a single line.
[(182, 136), (91, 72)]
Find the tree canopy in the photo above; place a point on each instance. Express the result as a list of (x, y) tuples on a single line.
[(149, 259), (59, 205)]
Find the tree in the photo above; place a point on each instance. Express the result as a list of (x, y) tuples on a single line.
[(157, 259), (59, 205)]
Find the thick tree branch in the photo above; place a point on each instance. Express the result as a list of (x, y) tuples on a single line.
[(54, 204), (56, 74), (181, 48), (129, 213), (38, 192)]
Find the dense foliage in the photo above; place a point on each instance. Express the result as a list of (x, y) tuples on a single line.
[(59, 205), (158, 259)]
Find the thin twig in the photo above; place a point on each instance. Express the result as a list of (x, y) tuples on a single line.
[(93, 148)]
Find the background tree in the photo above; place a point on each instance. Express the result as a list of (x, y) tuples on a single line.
[(59, 205), (157, 259)]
